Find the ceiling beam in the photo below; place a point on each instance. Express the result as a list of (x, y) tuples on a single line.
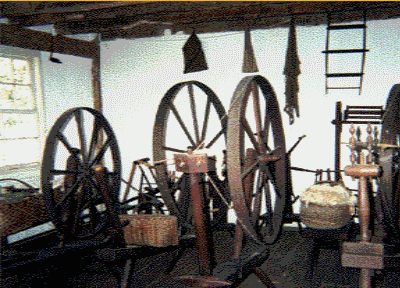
[(11, 35), (148, 19)]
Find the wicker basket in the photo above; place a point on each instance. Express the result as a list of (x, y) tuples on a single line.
[(330, 206), (22, 215), (325, 216), (151, 229)]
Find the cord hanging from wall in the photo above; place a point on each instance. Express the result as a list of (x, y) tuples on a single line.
[(193, 54), (51, 58), (292, 71), (249, 60)]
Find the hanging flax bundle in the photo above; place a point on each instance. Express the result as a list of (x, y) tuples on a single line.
[(249, 60), (292, 71), (193, 54)]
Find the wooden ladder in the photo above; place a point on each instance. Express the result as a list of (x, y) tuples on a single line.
[(329, 52)]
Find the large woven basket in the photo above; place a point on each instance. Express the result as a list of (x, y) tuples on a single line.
[(330, 206), (22, 215), (151, 229), (325, 216)]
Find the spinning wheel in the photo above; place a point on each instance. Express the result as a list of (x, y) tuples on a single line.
[(258, 167), (81, 173), (389, 182), (198, 122)]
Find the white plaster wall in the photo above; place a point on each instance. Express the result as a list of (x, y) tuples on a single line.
[(63, 86), (137, 73)]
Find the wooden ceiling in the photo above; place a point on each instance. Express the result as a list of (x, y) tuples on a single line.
[(138, 19)]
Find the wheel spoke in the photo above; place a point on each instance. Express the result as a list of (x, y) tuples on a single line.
[(216, 137), (194, 113), (256, 203), (205, 122), (94, 214), (250, 133), (183, 126), (81, 134), (79, 208), (257, 115), (250, 169), (266, 132), (268, 205), (94, 139), (64, 172), (64, 140), (101, 152), (71, 191)]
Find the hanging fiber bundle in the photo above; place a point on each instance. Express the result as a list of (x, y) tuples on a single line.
[(193, 54), (292, 71), (249, 60)]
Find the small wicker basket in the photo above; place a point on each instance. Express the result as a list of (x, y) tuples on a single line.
[(151, 229), (326, 205)]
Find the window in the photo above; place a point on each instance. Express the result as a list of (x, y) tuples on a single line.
[(20, 143)]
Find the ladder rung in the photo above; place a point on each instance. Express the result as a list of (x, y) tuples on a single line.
[(345, 27), (361, 122), (344, 75), (369, 112), (345, 51), (343, 87), (363, 107), (363, 117)]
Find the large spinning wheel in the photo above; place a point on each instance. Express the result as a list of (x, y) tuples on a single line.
[(81, 173), (389, 160), (258, 167), (198, 121)]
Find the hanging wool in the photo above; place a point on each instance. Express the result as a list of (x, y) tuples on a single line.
[(193, 54), (249, 60), (292, 71)]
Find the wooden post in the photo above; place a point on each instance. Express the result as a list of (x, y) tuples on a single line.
[(97, 101)]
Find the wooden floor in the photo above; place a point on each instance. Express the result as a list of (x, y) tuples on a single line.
[(287, 266)]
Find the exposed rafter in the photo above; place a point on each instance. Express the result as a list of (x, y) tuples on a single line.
[(124, 19)]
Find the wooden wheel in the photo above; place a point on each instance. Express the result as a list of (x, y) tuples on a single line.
[(79, 145), (389, 160), (258, 168), (198, 121)]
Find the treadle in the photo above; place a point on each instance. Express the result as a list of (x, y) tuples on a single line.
[(201, 281), (363, 255), (333, 285), (340, 52)]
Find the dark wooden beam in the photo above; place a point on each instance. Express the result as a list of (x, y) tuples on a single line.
[(11, 35), (223, 19), (96, 85), (147, 19)]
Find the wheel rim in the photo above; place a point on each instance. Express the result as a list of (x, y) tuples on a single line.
[(79, 209), (270, 173), (389, 160), (195, 127)]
